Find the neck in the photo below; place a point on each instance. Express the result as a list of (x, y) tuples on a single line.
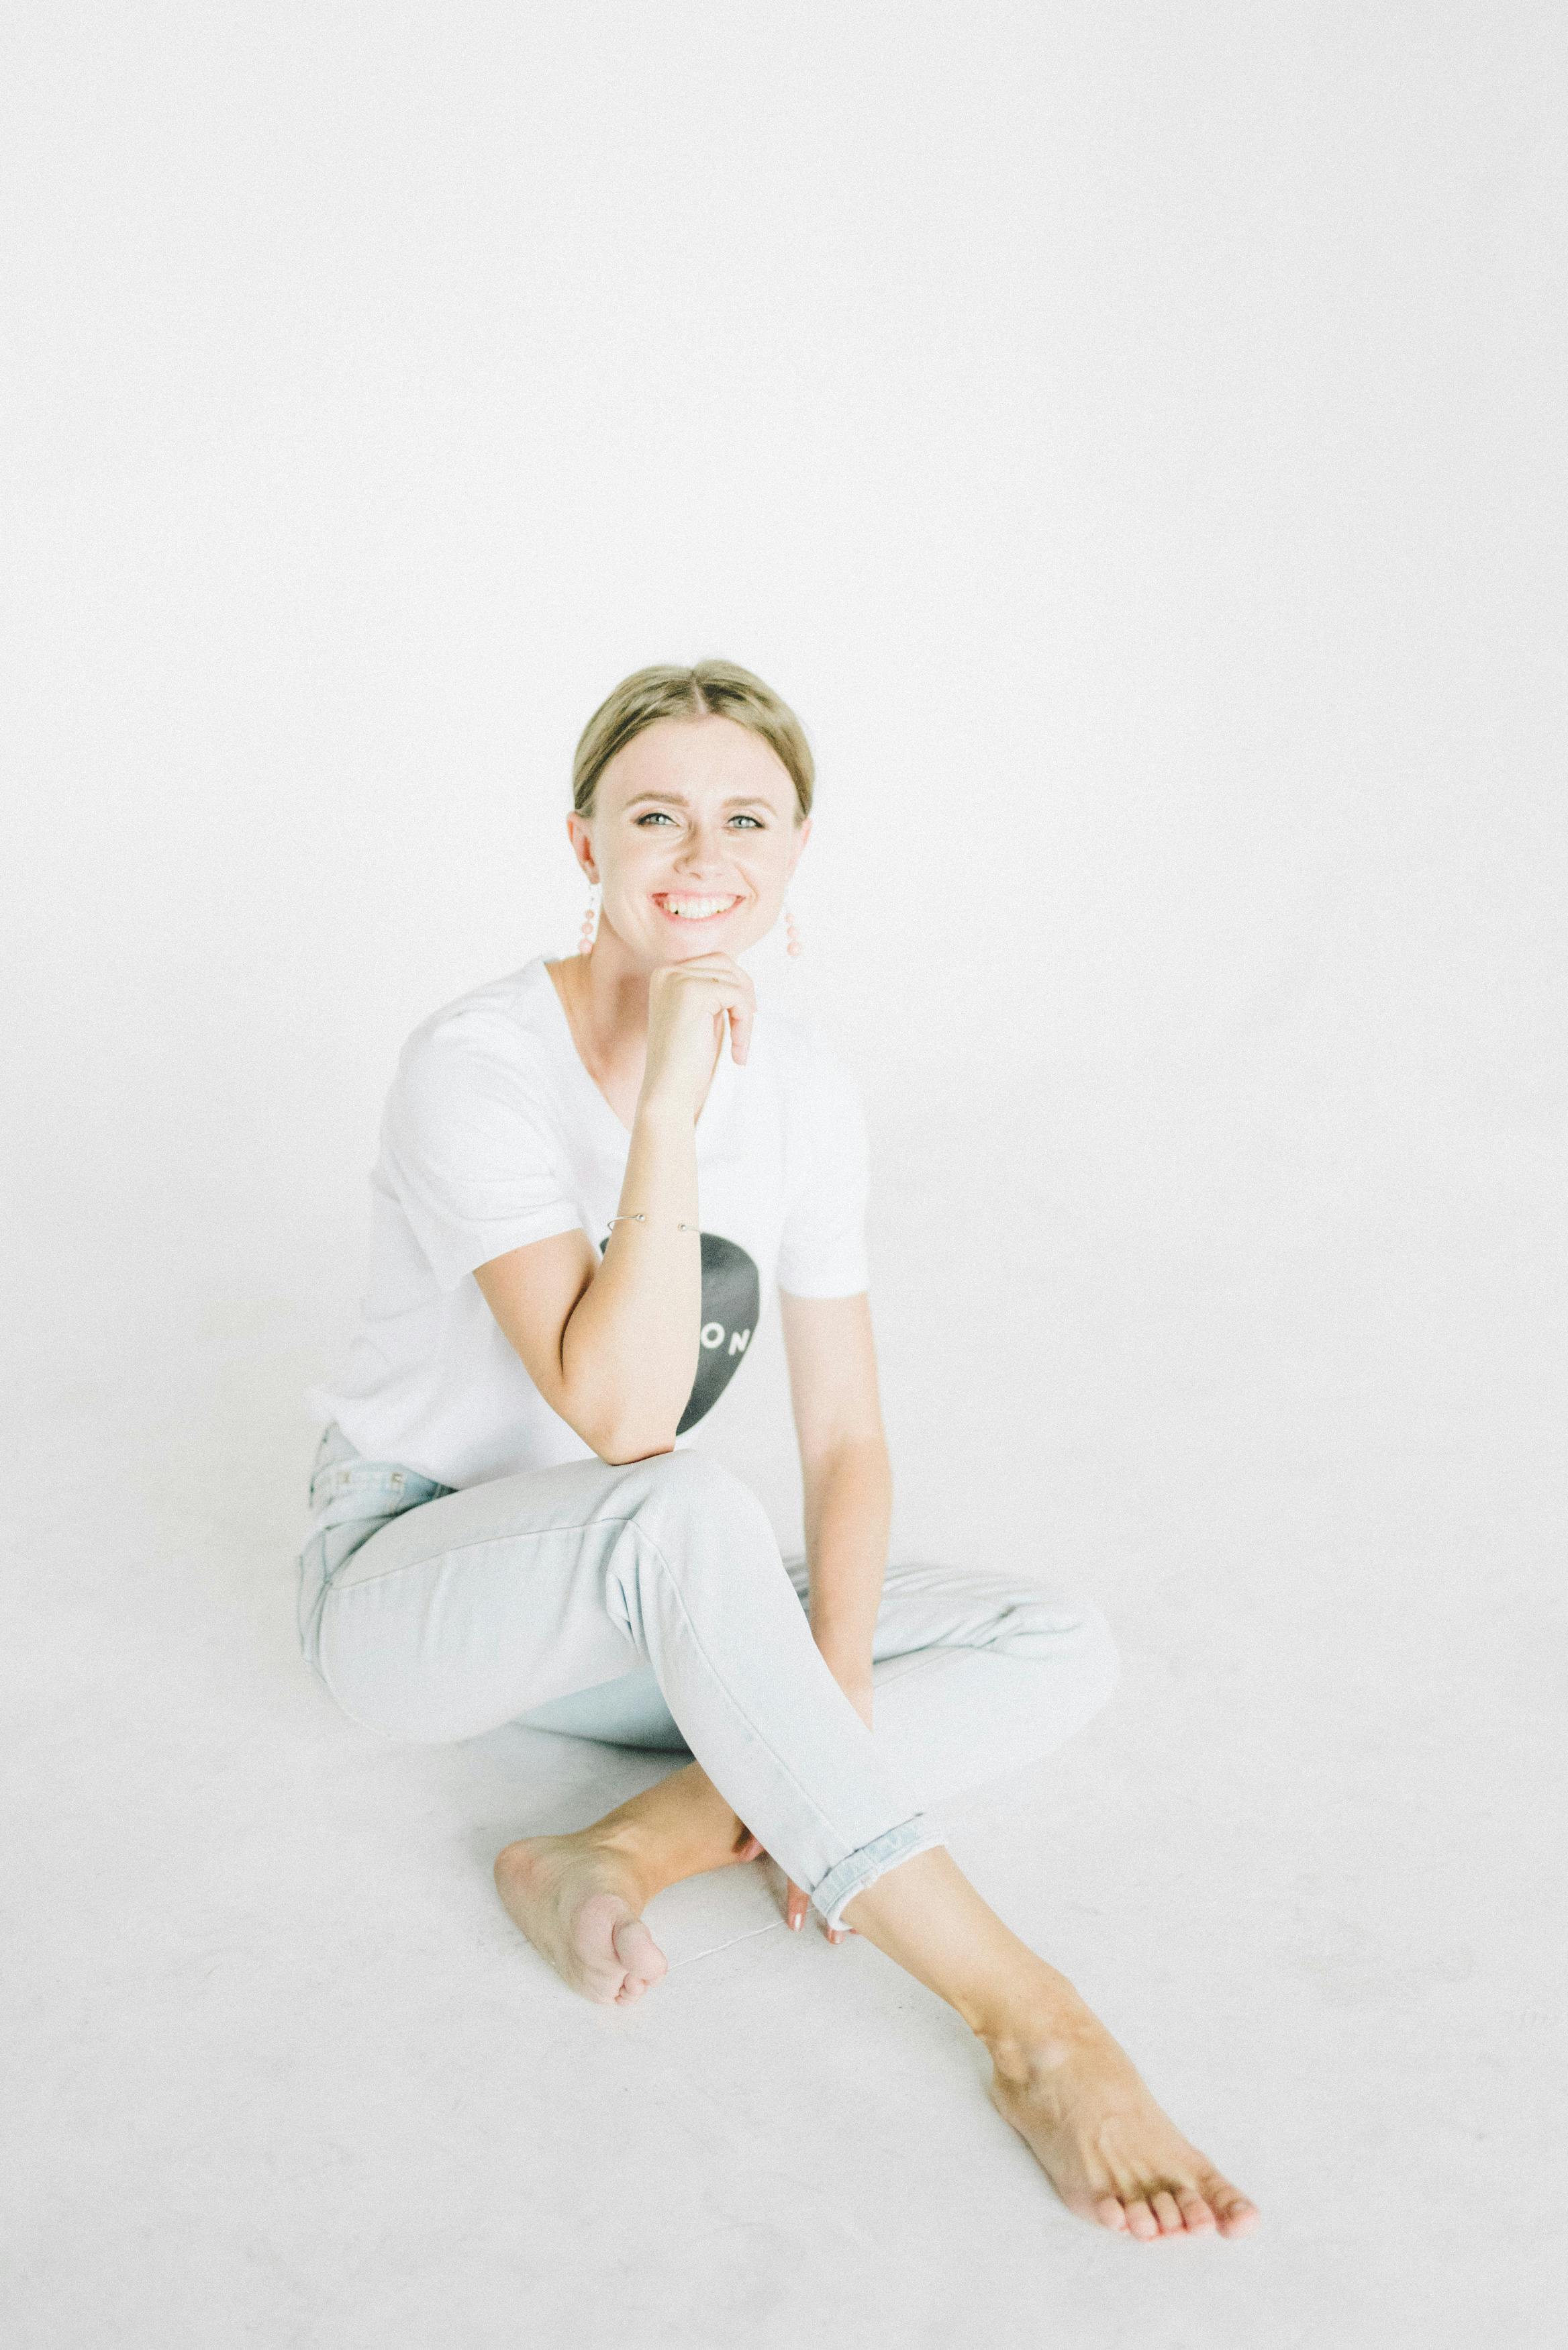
[(606, 994)]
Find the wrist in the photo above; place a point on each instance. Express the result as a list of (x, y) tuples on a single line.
[(847, 1648), (665, 1113), (851, 1668)]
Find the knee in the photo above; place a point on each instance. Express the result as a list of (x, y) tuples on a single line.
[(697, 1525), (688, 1490)]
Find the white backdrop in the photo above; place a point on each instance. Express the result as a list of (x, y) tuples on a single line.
[(1123, 433), (1131, 437)]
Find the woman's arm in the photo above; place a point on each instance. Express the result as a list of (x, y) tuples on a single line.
[(613, 1344), (846, 1474)]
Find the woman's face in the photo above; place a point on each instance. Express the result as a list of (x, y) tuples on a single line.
[(693, 839)]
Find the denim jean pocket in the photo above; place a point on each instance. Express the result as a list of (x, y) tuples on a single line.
[(350, 1502), (356, 1489)]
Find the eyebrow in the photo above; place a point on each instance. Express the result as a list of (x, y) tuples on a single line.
[(677, 799)]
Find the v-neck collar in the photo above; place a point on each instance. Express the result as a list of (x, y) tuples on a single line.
[(582, 1077)]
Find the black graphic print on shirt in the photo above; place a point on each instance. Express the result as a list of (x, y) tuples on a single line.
[(732, 1299)]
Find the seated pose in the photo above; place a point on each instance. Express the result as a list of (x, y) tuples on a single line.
[(580, 1203)]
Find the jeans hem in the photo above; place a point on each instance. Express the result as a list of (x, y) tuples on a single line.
[(852, 1876)]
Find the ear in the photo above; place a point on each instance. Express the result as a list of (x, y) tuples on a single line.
[(579, 832), (801, 837)]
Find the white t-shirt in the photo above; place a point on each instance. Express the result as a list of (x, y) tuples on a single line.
[(494, 1135)]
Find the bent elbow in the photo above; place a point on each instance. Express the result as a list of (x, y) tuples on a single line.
[(619, 1428), (622, 1446)]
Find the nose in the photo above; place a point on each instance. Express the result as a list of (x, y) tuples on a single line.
[(703, 853)]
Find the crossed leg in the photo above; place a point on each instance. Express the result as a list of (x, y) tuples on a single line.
[(1058, 2076), (469, 1609), (579, 1899)]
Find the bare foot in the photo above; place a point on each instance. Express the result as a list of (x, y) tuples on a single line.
[(578, 1906), (1113, 2156)]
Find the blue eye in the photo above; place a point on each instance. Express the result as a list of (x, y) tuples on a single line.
[(664, 817)]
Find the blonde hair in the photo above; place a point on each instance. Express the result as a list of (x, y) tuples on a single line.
[(718, 687)]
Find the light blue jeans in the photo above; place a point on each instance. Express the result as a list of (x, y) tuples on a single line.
[(647, 1603)]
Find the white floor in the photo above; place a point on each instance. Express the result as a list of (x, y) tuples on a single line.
[(284, 2075), (1131, 439)]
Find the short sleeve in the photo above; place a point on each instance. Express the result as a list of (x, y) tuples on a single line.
[(467, 1152), (822, 1248)]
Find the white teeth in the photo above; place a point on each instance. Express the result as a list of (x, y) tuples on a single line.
[(697, 909)]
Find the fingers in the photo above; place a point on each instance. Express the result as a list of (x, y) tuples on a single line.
[(796, 1905), (733, 987), (692, 1006), (737, 997), (741, 1016)]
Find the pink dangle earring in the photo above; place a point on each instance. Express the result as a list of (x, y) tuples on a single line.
[(792, 935), (586, 938)]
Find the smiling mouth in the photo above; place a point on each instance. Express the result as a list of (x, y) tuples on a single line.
[(683, 906)]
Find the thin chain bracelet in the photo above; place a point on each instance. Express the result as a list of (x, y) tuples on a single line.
[(642, 1219)]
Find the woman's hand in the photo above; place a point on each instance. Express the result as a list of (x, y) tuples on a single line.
[(855, 1680), (688, 1005)]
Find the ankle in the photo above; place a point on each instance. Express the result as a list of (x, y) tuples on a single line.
[(1037, 2024), (655, 1858), (633, 1852), (682, 1828)]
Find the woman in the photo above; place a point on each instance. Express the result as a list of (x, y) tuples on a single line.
[(580, 1204)]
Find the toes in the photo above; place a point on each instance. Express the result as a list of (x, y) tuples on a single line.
[(1196, 2218), (640, 1954), (1233, 2212), (1166, 2209), (1110, 2213), (1141, 2222)]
